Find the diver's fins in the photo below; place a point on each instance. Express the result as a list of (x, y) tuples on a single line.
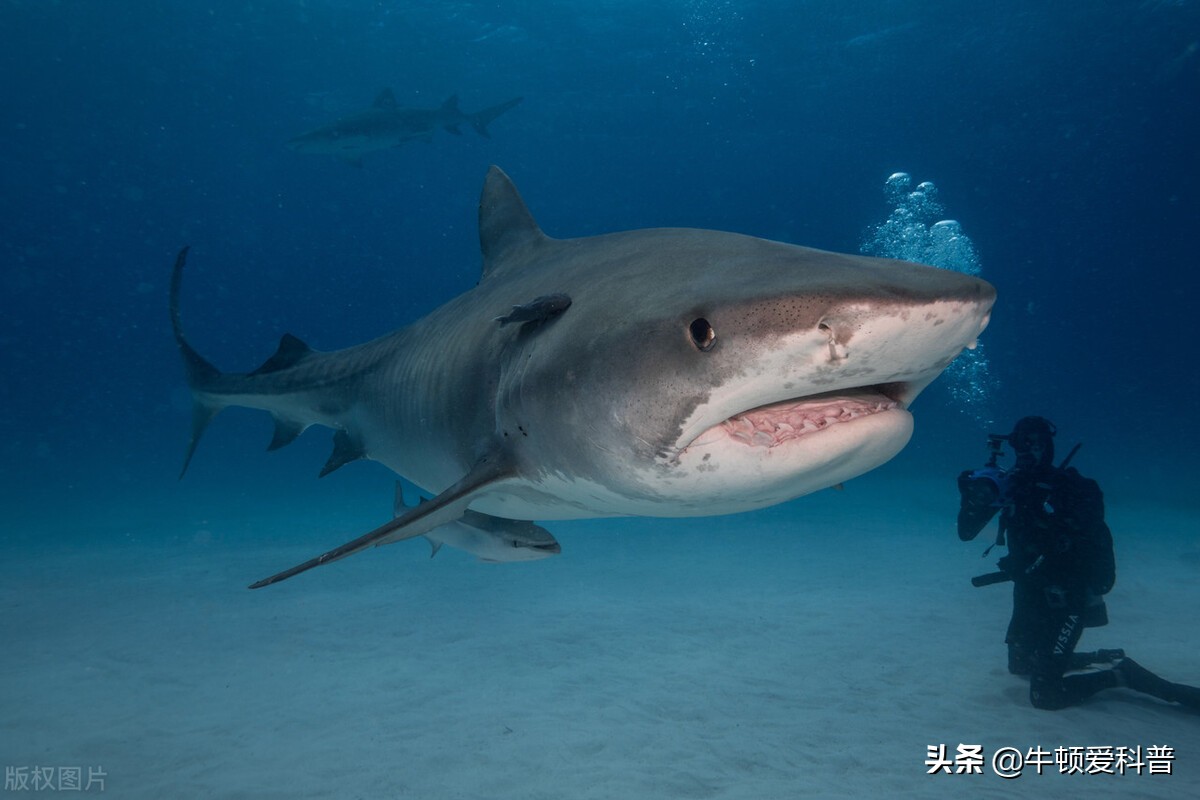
[(446, 507), (1134, 676)]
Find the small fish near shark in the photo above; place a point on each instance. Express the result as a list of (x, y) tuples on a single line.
[(387, 124), (537, 310), (693, 372), (492, 539)]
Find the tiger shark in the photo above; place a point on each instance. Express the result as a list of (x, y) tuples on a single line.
[(387, 124), (665, 372)]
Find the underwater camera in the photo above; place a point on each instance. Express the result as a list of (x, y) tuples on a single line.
[(984, 491)]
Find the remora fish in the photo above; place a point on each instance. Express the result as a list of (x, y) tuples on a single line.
[(387, 124), (695, 372), (490, 538)]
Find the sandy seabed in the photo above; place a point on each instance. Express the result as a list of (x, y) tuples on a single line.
[(814, 650)]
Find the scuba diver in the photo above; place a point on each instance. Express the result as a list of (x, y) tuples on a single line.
[(1060, 560)]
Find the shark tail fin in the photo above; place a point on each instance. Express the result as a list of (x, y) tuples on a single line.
[(199, 371), (480, 119)]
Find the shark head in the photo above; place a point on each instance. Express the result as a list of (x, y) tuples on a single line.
[(700, 372)]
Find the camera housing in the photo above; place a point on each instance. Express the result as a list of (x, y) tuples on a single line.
[(983, 491)]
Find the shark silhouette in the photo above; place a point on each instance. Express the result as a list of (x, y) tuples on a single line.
[(386, 124)]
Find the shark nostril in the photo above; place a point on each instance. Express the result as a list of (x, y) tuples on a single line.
[(837, 348)]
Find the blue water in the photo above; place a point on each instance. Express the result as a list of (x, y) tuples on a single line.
[(1062, 137), (1062, 140)]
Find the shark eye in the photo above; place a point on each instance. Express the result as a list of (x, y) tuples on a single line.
[(703, 335)]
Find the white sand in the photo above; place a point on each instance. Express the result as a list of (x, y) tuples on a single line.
[(814, 650)]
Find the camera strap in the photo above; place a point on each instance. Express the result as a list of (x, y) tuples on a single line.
[(1000, 533)]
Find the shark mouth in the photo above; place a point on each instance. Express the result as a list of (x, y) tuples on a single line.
[(776, 423)]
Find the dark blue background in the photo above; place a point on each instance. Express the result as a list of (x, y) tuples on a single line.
[(1064, 139)]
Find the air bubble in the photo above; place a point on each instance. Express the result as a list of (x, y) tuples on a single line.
[(910, 233), (897, 186)]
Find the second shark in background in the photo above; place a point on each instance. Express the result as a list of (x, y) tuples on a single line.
[(387, 124)]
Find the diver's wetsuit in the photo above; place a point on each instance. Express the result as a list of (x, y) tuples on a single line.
[(1060, 557)]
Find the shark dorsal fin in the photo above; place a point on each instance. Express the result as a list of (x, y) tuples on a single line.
[(385, 99), (506, 228), (291, 351), (451, 104)]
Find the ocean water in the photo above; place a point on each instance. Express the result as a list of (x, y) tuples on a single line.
[(729, 657)]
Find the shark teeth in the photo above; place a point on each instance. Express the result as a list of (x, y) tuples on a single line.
[(772, 425)]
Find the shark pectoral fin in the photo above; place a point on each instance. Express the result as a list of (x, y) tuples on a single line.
[(446, 507), (452, 129), (435, 545)]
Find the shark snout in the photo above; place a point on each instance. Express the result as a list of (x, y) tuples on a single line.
[(901, 344), (951, 307)]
